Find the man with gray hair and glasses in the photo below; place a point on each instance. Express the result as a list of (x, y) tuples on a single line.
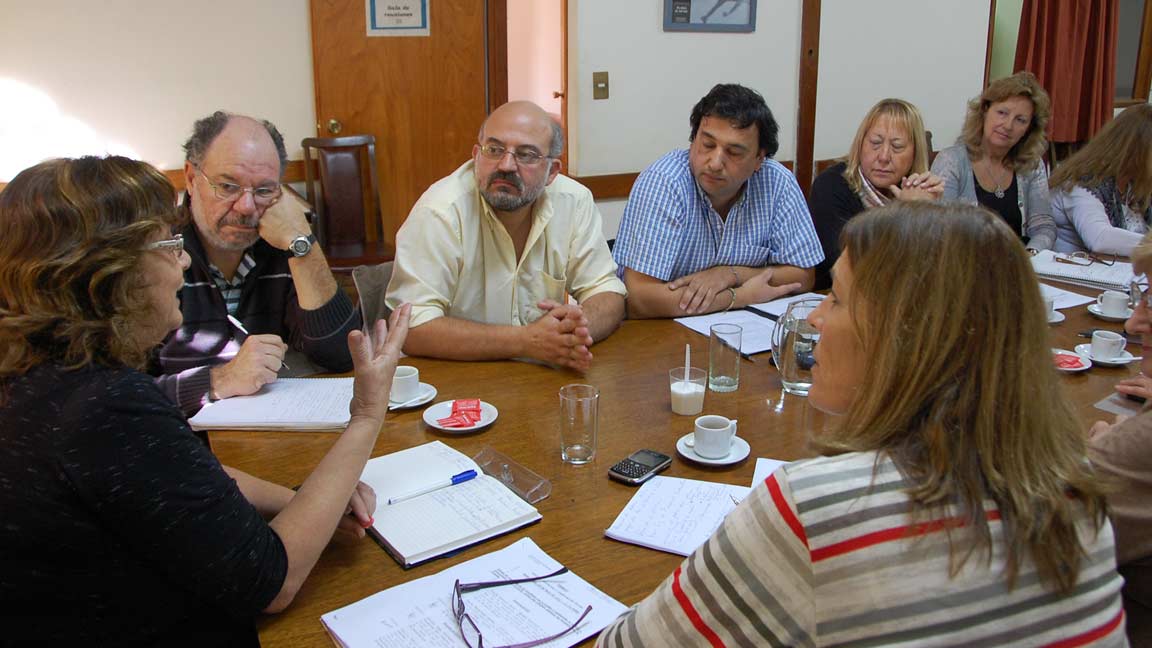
[(258, 283), (489, 255)]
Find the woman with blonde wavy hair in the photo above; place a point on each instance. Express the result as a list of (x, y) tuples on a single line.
[(119, 525), (888, 160), (998, 160), (1102, 195), (953, 504)]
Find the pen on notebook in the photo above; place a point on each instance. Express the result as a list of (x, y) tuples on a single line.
[(240, 327), (456, 479)]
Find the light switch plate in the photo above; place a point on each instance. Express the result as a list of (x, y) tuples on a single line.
[(599, 85)]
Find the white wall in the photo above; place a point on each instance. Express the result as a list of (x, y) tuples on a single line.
[(657, 77), (931, 56), (534, 52), (129, 76)]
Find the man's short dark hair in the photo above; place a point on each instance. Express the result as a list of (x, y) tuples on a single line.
[(206, 130), (741, 106)]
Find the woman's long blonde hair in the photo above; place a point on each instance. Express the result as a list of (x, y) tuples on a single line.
[(901, 113), (1027, 153), (1121, 151), (960, 391)]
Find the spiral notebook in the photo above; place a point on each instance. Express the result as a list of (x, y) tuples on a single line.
[(287, 404), (1117, 276)]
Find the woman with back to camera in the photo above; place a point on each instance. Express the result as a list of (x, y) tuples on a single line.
[(119, 525), (888, 160), (1122, 451), (998, 160), (1102, 195), (953, 505)]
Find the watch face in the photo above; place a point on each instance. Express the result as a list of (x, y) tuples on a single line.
[(301, 246)]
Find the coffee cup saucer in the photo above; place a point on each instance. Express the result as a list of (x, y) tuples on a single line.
[(740, 451), (427, 393), (1095, 310), (1055, 317), (1116, 361)]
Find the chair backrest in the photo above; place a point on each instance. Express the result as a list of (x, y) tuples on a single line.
[(371, 283), (348, 210)]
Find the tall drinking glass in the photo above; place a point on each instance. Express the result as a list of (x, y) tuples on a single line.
[(724, 357), (579, 423), (793, 343)]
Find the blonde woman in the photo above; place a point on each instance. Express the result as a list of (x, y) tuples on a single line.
[(953, 506), (1123, 452), (888, 160), (997, 161), (1102, 195)]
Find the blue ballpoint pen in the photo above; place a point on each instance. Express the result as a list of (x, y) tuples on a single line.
[(456, 479)]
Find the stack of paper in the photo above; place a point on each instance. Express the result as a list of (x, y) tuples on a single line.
[(419, 613), (287, 404), (675, 515)]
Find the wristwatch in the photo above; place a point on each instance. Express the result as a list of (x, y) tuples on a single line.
[(301, 245)]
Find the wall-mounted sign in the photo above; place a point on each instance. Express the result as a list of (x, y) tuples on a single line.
[(710, 15), (397, 17)]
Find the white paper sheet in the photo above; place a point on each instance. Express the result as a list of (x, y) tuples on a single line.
[(287, 404), (1064, 298), (1120, 404), (765, 467), (675, 515), (419, 613), (777, 307), (757, 334)]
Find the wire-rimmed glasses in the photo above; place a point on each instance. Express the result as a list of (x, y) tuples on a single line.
[(175, 245), (230, 191), (524, 157), (1083, 259), (471, 633), (1138, 292)]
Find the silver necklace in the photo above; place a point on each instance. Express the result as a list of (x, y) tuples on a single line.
[(999, 193)]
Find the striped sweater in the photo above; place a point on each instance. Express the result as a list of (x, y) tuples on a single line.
[(822, 554)]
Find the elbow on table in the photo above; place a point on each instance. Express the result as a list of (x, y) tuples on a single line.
[(284, 598)]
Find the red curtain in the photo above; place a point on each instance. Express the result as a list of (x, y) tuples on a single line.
[(1070, 45)]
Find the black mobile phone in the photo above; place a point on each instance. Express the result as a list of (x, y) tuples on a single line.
[(639, 467)]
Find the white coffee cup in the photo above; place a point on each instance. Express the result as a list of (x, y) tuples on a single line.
[(1107, 345), (714, 436), (405, 384), (1049, 307), (1113, 303)]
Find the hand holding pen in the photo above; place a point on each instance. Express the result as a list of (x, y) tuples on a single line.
[(256, 364)]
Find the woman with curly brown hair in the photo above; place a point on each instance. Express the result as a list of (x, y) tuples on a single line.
[(1102, 195), (119, 525), (997, 161)]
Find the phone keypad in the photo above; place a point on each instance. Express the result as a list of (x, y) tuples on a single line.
[(631, 469)]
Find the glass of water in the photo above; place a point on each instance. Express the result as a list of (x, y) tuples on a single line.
[(579, 423), (793, 344), (724, 357)]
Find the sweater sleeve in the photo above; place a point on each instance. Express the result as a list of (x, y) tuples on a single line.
[(1087, 215), (1038, 221), (1123, 454), (950, 165), (832, 203), (188, 389), (750, 584), (160, 492), (322, 334)]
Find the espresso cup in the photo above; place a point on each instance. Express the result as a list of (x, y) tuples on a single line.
[(1049, 307), (405, 384), (1107, 345), (714, 436), (1113, 303)]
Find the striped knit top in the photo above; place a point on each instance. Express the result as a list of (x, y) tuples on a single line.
[(823, 554)]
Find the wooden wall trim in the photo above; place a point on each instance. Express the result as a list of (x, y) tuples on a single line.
[(619, 185), (809, 73), (1144, 57), (497, 55), (294, 172), (991, 38)]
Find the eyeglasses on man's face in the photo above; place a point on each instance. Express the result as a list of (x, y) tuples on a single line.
[(524, 157), (471, 633), (230, 191), (175, 245), (1138, 292)]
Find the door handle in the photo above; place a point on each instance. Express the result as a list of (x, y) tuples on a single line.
[(335, 126), (557, 94)]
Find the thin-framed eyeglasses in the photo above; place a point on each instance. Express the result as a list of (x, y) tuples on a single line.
[(175, 245), (1083, 259), (1138, 292), (231, 191), (470, 633), (524, 157)]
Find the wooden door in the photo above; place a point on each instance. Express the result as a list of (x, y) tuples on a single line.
[(424, 98)]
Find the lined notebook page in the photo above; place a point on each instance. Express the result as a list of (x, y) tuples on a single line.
[(675, 515), (288, 403)]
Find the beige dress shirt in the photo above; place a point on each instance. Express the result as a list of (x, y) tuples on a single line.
[(455, 258)]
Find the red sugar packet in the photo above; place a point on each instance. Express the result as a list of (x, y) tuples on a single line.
[(465, 413), (1067, 361)]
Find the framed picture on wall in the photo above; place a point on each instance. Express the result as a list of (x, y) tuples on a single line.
[(710, 15)]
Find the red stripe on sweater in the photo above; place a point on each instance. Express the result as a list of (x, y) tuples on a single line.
[(785, 510), (888, 535), (690, 611), (1091, 635)]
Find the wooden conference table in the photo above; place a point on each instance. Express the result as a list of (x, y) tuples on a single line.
[(631, 370)]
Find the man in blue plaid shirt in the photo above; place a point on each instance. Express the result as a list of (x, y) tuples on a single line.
[(720, 225)]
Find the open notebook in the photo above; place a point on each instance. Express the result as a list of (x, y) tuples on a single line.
[(445, 520)]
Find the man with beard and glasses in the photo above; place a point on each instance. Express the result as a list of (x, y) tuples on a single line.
[(258, 284), (489, 254), (721, 225)]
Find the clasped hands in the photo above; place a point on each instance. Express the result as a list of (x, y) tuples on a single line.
[(560, 337), (701, 288), (919, 186)]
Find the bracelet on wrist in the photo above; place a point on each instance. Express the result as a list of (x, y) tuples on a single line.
[(732, 292)]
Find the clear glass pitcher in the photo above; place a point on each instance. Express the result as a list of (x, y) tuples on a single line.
[(793, 343)]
